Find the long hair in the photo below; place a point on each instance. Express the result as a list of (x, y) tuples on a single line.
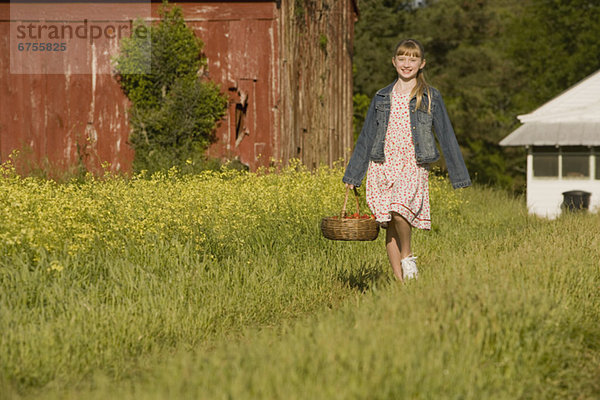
[(413, 48)]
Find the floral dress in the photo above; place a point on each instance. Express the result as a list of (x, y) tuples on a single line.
[(399, 184)]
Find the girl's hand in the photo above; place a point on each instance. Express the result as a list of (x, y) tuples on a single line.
[(349, 186)]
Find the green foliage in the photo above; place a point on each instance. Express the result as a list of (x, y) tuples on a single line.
[(555, 44), (174, 112), (181, 129), (299, 11), (379, 28), (323, 42), (360, 102)]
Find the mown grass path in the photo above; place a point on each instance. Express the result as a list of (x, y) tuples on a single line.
[(236, 295)]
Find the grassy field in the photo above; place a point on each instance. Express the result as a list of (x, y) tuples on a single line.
[(220, 286)]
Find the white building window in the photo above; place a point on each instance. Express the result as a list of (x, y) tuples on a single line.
[(568, 162), (575, 162), (545, 162)]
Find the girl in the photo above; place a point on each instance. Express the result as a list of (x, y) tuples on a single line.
[(396, 145)]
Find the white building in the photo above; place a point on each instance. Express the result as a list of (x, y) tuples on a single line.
[(562, 138)]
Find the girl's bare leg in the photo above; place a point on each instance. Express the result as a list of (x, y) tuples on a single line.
[(397, 242)]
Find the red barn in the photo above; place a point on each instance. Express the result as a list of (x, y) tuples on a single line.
[(285, 65)]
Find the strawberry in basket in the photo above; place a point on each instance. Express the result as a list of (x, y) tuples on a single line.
[(356, 216)]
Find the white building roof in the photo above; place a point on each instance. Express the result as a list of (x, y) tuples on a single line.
[(570, 119)]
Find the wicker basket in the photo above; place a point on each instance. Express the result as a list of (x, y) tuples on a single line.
[(342, 228)]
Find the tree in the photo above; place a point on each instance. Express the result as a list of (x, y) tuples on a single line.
[(554, 44), (174, 112), (378, 30)]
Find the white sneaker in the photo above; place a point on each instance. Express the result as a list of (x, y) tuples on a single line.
[(409, 268)]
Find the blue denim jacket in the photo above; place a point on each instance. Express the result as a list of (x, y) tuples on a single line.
[(370, 143)]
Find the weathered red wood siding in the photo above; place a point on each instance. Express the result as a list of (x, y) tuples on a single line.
[(56, 120), (242, 48), (287, 72), (316, 64)]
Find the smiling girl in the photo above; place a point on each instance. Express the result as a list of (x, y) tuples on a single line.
[(396, 146)]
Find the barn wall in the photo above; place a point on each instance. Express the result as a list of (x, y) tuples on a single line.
[(65, 119), (316, 80), (286, 67), (61, 120), (242, 50)]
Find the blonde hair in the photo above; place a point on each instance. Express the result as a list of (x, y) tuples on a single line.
[(413, 48)]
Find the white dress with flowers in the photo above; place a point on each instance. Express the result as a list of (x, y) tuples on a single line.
[(399, 184)]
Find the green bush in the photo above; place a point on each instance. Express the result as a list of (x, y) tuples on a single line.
[(174, 112)]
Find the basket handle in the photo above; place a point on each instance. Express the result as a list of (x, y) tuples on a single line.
[(346, 201)]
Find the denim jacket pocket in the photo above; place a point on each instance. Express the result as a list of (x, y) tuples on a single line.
[(425, 147), (424, 121), (382, 111)]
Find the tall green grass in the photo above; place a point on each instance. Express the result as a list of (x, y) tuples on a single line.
[(97, 275), (506, 305)]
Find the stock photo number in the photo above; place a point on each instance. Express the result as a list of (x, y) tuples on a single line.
[(29, 46)]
